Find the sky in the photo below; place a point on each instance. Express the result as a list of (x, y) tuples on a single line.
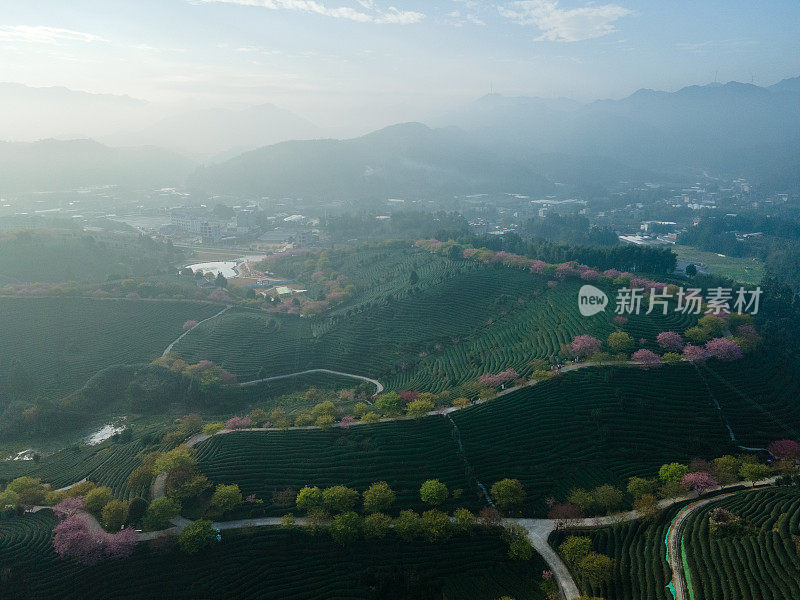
[(374, 62)]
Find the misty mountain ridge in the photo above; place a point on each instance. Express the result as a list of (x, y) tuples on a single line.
[(50, 165), (408, 160), (202, 134)]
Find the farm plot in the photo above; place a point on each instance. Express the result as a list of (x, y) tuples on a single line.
[(279, 564), (51, 346), (761, 561), (600, 426), (402, 453), (640, 568)]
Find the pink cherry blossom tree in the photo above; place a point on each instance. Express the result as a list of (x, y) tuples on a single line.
[(190, 324), (695, 354), (499, 378), (700, 482), (671, 341), (724, 349), (237, 423), (68, 507), (538, 267), (784, 449), (584, 346), (647, 358), (620, 320)]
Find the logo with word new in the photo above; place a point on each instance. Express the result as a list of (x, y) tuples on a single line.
[(591, 300)]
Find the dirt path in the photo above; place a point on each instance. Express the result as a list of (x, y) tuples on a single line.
[(185, 333), (374, 382)]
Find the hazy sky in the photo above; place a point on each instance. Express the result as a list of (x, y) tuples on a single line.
[(339, 60)]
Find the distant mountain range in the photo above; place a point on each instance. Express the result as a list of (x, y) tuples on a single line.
[(728, 129), (50, 165), (205, 134), (496, 144), (408, 161)]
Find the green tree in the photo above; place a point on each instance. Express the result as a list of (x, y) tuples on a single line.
[(338, 499), (96, 499), (324, 409), (582, 499), (390, 403), (596, 568), (433, 492), (672, 472), (691, 270), (371, 417), (182, 456), (407, 525), (638, 486), (608, 497), (464, 520), (9, 501), (324, 421), (377, 525), (258, 416), (196, 536), (346, 527), (574, 549), (419, 408), (136, 510), (379, 497), (278, 418), (113, 515), (360, 409), (225, 498), (725, 469), (29, 490), (646, 505), (619, 341), (754, 472), (435, 526), (160, 512), (308, 498), (508, 494), (519, 547)]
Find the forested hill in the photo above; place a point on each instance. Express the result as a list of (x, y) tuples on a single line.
[(408, 161)]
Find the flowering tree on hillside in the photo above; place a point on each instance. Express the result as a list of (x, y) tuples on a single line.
[(784, 449), (670, 341), (695, 354), (700, 482), (73, 538), (238, 423), (647, 358), (538, 267), (590, 275), (620, 320), (499, 378), (612, 273), (409, 396), (584, 346), (724, 349), (68, 507), (190, 324)]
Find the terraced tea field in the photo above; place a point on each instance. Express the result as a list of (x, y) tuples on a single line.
[(51, 346), (460, 320), (763, 563), (404, 453), (640, 568), (275, 564), (586, 428), (597, 426)]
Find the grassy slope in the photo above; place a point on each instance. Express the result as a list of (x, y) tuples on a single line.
[(62, 342), (269, 564)]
